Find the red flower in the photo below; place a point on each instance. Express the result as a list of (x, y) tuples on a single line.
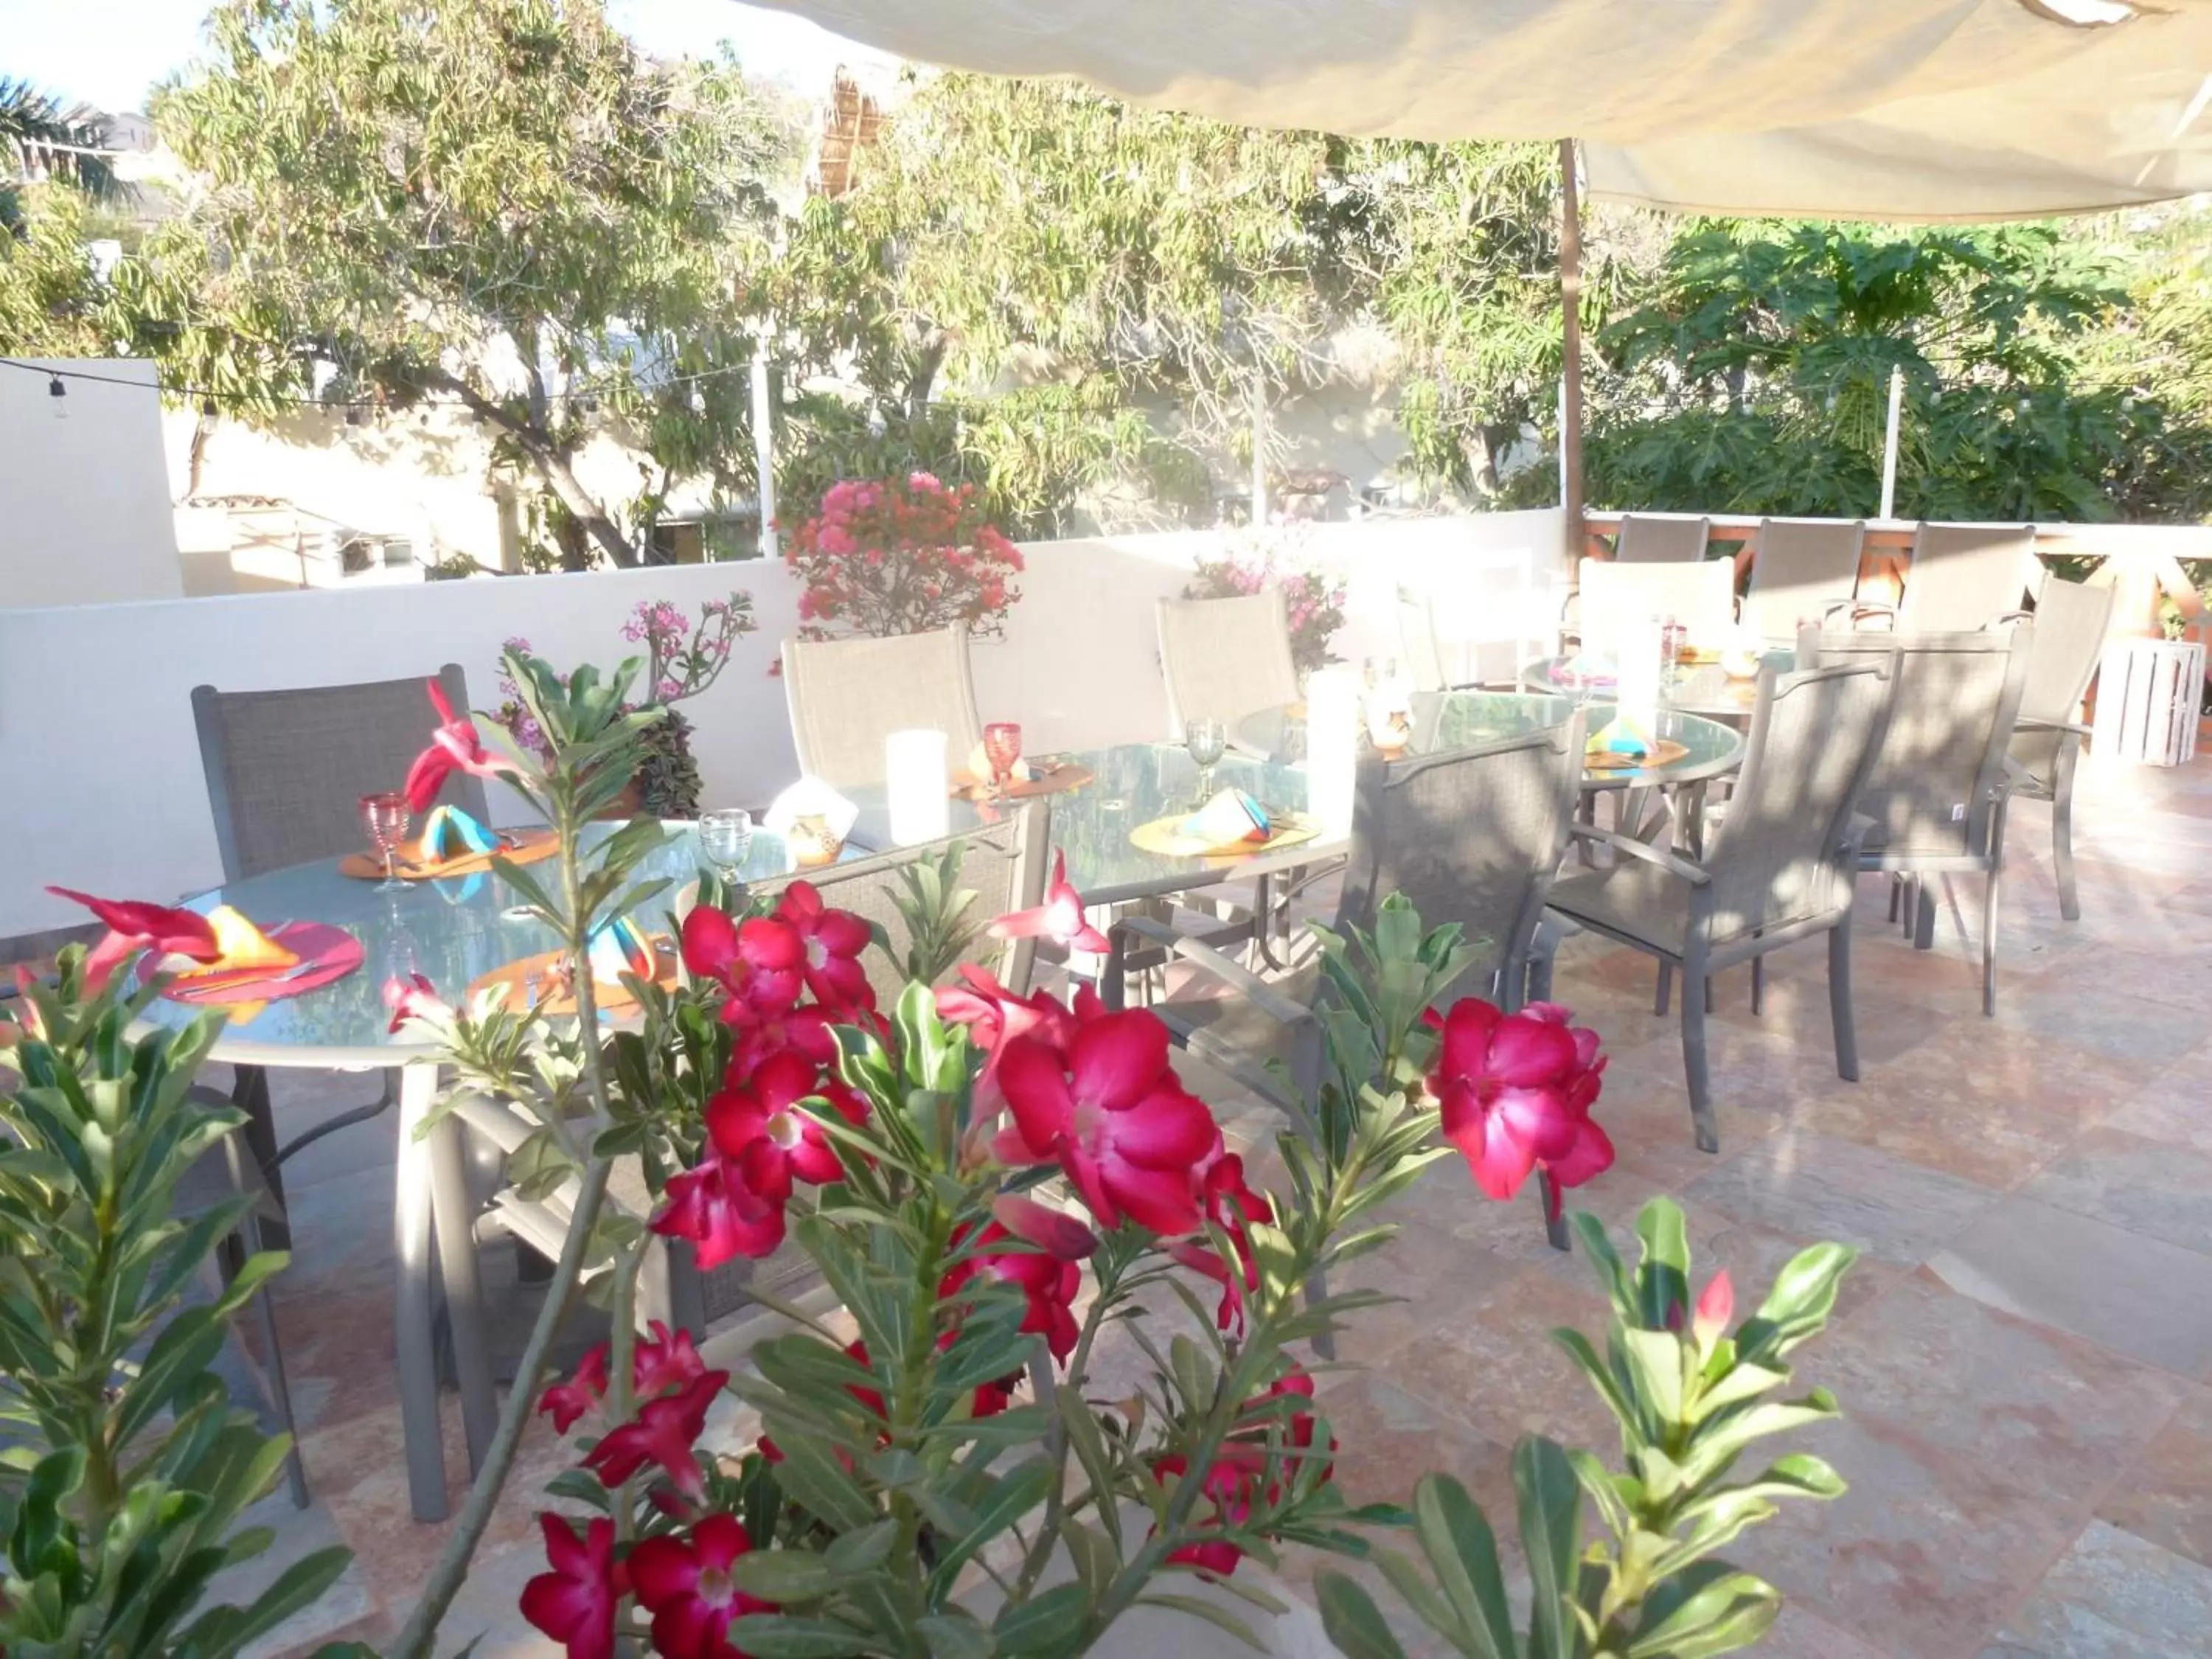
[(663, 1432), (574, 1603), (992, 1014), (760, 1111), (729, 1206), (657, 1364), (454, 747), (831, 941), (684, 1582), (1047, 1282), (414, 998), (568, 1402), (1229, 1204), (1109, 1110), (1229, 1487), (1715, 1312), (762, 1031), (1515, 1092), (758, 961), (135, 926), (1059, 918)]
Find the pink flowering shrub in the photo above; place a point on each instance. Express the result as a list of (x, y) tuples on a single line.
[(901, 555), (1313, 602)]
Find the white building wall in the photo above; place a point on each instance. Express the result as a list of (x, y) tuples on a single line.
[(112, 798), (84, 501)]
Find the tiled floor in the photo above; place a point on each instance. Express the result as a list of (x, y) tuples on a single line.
[(2022, 1357)]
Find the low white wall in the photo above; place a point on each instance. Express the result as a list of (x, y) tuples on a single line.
[(84, 493), (104, 790)]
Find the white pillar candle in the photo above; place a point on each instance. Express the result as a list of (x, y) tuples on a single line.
[(916, 778), (1639, 680), (1333, 720)]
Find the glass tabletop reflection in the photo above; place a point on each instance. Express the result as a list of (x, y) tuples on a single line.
[(451, 931), (1465, 719), (1697, 687)]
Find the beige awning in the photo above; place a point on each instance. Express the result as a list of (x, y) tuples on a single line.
[(1873, 108)]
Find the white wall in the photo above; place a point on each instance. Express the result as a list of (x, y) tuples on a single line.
[(84, 500), (105, 793)]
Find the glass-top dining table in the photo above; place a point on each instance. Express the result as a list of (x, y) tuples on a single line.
[(1702, 688)]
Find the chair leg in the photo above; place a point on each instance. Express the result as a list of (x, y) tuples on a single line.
[(1758, 986), (1896, 899), (1693, 1063), (1666, 987), (1990, 943), (1924, 922), (265, 1313), (2062, 850), (1840, 1014), (1555, 1215)]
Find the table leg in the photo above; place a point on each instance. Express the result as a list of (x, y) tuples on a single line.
[(249, 1092), (1690, 813), (414, 1304), (454, 1222)]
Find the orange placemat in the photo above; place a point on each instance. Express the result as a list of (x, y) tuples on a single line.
[(325, 953), (1058, 781), (525, 980), (1665, 752), (522, 846)]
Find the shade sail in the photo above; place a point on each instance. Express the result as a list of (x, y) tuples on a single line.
[(1873, 108)]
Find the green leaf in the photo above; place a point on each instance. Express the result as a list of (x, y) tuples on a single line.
[(1663, 1278), (1799, 1304), (779, 1635), (858, 1551), (1045, 1624), (1211, 1612), (783, 1575), (1353, 1621), (1455, 1536), (1550, 1502), (1707, 1610), (1020, 1490), (954, 1635)]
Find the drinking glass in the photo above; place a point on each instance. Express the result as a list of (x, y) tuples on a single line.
[(1673, 637), (725, 836), (1378, 672), (385, 816), (1207, 739), (1002, 748)]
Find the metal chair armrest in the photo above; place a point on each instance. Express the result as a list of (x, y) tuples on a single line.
[(2027, 723), (1241, 979), (1658, 856)]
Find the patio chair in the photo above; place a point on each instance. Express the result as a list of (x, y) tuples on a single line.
[(1226, 658), (1423, 663), (1937, 792), (2070, 620), (1802, 571), (1777, 868), (1664, 540), (1616, 601), (1004, 863), (1963, 576), (846, 696), (286, 770)]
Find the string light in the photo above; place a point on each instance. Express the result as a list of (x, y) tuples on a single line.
[(209, 396), (58, 395)]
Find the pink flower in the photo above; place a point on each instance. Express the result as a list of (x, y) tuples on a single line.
[(569, 1402), (135, 926), (657, 1364), (1059, 918), (1113, 1113), (1049, 1281), (414, 998), (761, 1111), (758, 961), (575, 1604), (1715, 1311), (728, 1206), (663, 1433), (831, 942), (1230, 1204), (1515, 1092), (684, 1582), (454, 747)]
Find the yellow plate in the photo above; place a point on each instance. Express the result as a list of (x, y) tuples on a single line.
[(1166, 837), (1665, 752)]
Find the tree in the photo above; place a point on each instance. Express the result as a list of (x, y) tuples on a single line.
[(52, 303), (498, 205), (37, 135)]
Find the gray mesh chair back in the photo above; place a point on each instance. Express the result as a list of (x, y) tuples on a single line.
[(1966, 575), (1472, 835), (1813, 741), (1225, 659), (1618, 602), (1003, 864), (846, 695), (1417, 642), (1801, 569), (286, 769), (1933, 785), (2070, 620), (1644, 540)]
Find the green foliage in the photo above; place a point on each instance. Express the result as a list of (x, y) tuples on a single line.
[(939, 916), (30, 120), (667, 774), (52, 303), (125, 1471), (1691, 1399)]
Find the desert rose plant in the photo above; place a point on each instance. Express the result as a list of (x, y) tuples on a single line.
[(1312, 600), (901, 555), (993, 1185)]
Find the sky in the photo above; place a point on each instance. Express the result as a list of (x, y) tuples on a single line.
[(108, 52)]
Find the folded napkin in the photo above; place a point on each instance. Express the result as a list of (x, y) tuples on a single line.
[(979, 766), (617, 949), (449, 832), (243, 946), (811, 798), (1231, 818), (1620, 737)]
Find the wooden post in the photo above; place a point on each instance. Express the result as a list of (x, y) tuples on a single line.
[(1570, 354)]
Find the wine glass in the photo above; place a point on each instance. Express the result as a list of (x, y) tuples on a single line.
[(385, 816), (1002, 748), (725, 837), (1207, 739)]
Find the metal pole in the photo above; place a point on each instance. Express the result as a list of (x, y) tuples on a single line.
[(1259, 445), (1570, 353), (764, 453), (1889, 443)]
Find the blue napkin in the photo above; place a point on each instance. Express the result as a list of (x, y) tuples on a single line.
[(448, 832)]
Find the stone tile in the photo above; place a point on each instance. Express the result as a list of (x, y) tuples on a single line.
[(1912, 1112), (1389, 1437), (2146, 1186), (2104, 1016), (2114, 1595), (2174, 1107), (1796, 1009), (2135, 1296), (2165, 1496), (1922, 1557), (2006, 1073), (2050, 1410), (1798, 1634), (1814, 1187)]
